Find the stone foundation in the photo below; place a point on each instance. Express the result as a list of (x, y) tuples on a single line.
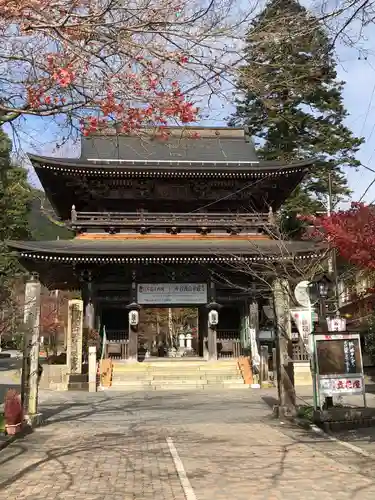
[(302, 374), (54, 377)]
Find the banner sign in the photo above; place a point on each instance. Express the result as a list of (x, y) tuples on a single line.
[(172, 293), (254, 347), (303, 320)]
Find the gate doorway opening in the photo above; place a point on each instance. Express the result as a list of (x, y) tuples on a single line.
[(169, 332)]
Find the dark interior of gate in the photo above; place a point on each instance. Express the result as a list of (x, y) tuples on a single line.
[(173, 331)]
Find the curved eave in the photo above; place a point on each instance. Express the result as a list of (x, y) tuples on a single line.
[(162, 168), (109, 254)]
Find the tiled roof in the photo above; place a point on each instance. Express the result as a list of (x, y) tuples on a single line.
[(148, 246)]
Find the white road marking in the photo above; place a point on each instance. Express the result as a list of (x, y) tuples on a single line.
[(181, 472), (350, 446)]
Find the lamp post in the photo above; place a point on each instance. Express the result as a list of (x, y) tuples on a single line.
[(133, 316), (318, 291), (213, 320)]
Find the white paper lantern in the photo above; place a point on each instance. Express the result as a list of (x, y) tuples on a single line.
[(133, 318)]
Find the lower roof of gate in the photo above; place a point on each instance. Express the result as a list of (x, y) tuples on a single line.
[(58, 262), (107, 246)]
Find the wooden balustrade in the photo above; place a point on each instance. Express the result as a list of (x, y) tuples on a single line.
[(157, 220)]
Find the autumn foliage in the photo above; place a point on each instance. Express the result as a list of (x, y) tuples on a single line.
[(351, 232), (96, 61)]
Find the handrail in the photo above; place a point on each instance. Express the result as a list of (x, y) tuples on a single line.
[(161, 218)]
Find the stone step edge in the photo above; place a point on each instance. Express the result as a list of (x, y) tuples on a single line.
[(141, 367), (195, 376), (201, 387), (153, 383)]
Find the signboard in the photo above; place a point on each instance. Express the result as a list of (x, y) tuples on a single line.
[(301, 293), (338, 356), (339, 364), (349, 385), (336, 324), (171, 293)]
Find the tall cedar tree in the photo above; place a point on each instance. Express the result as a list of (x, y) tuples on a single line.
[(291, 102), (14, 211)]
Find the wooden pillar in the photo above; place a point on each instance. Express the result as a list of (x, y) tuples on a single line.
[(133, 330), (254, 315), (285, 369), (212, 343), (30, 371), (75, 336), (133, 344), (203, 331), (88, 298), (263, 373), (211, 330), (244, 326)]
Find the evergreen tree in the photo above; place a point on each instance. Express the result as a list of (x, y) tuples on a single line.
[(291, 102), (14, 210), (43, 223)]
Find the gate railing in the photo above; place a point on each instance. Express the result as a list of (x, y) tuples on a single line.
[(229, 344), (116, 344)]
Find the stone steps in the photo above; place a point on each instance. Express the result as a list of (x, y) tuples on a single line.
[(171, 376), (182, 387), (174, 369), (174, 375)]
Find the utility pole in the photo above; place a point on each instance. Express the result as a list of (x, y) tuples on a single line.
[(332, 260), (170, 326)]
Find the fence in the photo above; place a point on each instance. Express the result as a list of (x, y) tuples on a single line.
[(116, 344), (229, 344), (299, 352)]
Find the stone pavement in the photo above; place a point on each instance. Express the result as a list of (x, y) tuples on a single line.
[(10, 375), (114, 446)]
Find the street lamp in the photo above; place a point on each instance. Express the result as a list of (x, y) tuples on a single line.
[(318, 291), (319, 288)]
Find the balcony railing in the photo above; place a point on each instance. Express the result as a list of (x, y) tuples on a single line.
[(163, 220)]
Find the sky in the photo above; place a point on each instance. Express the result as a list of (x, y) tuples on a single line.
[(356, 67), (359, 99)]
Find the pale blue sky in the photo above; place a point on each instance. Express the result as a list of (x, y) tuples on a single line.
[(359, 98)]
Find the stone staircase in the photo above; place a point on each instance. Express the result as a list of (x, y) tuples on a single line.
[(181, 374)]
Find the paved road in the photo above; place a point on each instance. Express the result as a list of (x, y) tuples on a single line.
[(10, 375), (112, 446)]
